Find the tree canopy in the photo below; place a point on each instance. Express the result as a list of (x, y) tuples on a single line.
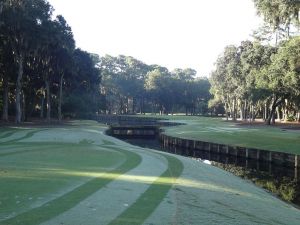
[(131, 86), (257, 79), (43, 74), (38, 60)]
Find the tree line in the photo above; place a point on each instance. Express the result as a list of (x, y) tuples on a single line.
[(261, 78), (130, 86), (40, 67), (43, 74)]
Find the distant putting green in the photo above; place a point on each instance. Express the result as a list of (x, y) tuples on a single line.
[(76, 175)]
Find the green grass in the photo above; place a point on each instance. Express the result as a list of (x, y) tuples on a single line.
[(138, 212), (39, 180), (7, 134), (216, 130), (63, 203), (46, 172)]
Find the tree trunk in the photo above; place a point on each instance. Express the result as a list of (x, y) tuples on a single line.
[(255, 111), (268, 120), (250, 114), (276, 102), (133, 105), (18, 89), (266, 112), (274, 117), (5, 99), (48, 104), (42, 106), (241, 108), (278, 114), (60, 97), (142, 105), (226, 111), (23, 117), (245, 110), (234, 110), (286, 111), (152, 108), (121, 106)]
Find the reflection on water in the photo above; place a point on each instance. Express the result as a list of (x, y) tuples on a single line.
[(282, 181)]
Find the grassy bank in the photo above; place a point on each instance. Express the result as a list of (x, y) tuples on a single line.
[(216, 130)]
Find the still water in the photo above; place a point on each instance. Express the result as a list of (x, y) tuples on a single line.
[(283, 182)]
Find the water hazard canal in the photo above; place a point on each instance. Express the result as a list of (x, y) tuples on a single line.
[(283, 182)]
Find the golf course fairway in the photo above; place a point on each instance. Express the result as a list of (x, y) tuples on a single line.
[(76, 175)]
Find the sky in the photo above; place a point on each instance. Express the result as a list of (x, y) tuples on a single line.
[(170, 33)]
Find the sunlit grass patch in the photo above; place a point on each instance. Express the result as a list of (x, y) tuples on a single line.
[(138, 212), (60, 204), (34, 173)]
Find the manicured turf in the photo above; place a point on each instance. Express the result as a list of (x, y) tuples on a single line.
[(216, 130), (41, 180), (138, 212), (68, 200), (45, 172), (76, 175)]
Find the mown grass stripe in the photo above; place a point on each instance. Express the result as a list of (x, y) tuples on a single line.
[(67, 201), (20, 152), (8, 134), (26, 136), (30, 143), (22, 148), (145, 205)]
